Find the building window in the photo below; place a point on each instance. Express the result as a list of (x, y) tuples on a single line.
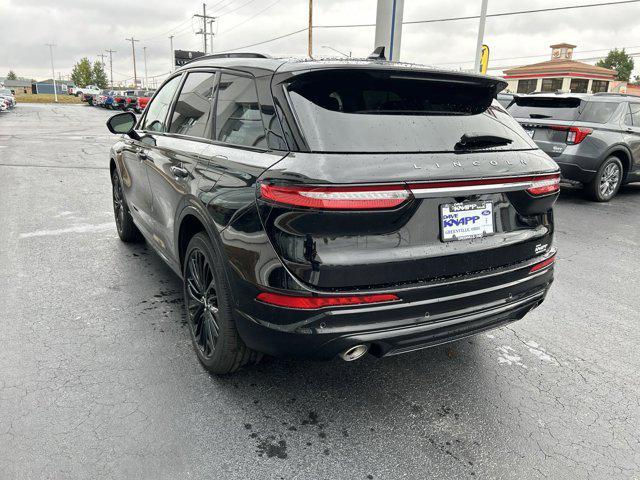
[(599, 86), (527, 86), (579, 85), (551, 84)]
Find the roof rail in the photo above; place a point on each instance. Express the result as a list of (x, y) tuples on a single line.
[(231, 55), (614, 94)]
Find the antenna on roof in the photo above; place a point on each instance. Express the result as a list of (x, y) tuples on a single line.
[(377, 54)]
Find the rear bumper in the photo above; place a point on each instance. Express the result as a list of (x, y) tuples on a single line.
[(574, 171), (427, 316)]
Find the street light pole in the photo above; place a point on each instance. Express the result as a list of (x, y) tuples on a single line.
[(172, 53), (483, 19), (146, 79), (53, 72)]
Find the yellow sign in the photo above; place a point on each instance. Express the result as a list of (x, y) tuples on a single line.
[(484, 59)]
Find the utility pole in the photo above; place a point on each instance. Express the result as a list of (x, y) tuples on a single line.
[(211, 34), (205, 19), (133, 49), (53, 72), (146, 79), (101, 55), (310, 43), (172, 54), (483, 19), (111, 52)]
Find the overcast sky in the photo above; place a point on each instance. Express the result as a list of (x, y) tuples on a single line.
[(87, 27)]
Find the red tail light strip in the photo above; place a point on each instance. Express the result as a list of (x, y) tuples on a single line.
[(338, 198), (544, 264), (389, 196), (314, 303)]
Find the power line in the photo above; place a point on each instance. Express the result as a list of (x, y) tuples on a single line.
[(475, 17), (237, 8), (250, 18), (266, 41)]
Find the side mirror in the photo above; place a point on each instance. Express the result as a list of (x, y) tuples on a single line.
[(123, 123)]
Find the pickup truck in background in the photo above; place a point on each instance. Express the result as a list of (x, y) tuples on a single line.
[(88, 90)]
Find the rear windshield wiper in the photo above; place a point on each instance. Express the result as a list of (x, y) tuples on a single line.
[(470, 142), (539, 115)]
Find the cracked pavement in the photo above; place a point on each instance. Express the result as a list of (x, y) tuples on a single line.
[(98, 378)]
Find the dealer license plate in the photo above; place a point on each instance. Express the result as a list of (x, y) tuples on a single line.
[(460, 221)]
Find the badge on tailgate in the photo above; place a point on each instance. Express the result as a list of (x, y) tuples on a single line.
[(460, 221)]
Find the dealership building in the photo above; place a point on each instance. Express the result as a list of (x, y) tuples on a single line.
[(560, 73)]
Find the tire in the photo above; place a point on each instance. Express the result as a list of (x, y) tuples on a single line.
[(607, 181), (209, 310), (127, 230)]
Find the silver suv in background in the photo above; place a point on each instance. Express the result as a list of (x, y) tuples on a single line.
[(595, 139)]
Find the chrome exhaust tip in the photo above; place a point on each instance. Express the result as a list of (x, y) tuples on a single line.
[(354, 353)]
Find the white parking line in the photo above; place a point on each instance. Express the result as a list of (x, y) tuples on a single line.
[(100, 227)]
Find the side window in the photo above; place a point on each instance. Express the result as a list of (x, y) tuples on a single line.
[(191, 114), (627, 115), (238, 119), (155, 118), (635, 114)]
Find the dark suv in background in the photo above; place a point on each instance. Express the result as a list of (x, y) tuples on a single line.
[(317, 209), (595, 139)]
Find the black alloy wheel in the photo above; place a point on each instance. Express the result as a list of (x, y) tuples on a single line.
[(202, 303), (209, 309), (127, 230)]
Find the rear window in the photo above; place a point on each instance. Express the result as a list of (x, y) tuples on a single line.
[(392, 111), (564, 108)]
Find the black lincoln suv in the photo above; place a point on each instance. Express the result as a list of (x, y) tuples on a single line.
[(316, 209), (595, 139)]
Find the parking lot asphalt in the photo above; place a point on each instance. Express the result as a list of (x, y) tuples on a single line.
[(98, 378)]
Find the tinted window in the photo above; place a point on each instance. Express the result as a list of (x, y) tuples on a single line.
[(391, 111), (155, 118), (191, 113), (238, 119), (579, 85), (562, 108), (599, 86), (527, 86), (551, 84)]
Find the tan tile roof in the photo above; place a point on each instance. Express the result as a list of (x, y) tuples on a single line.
[(560, 66)]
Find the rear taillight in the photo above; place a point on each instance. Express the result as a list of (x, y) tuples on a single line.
[(575, 135), (337, 198), (313, 303), (544, 185), (544, 264)]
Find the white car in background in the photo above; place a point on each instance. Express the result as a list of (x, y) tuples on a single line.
[(88, 90), (8, 98)]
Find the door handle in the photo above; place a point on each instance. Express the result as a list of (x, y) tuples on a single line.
[(142, 155), (179, 171)]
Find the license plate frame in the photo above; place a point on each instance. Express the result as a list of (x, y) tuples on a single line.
[(466, 221)]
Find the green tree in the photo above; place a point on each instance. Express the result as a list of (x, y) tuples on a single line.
[(12, 75), (99, 76), (82, 74), (619, 61)]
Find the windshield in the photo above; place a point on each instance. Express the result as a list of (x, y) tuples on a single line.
[(564, 108), (388, 111)]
